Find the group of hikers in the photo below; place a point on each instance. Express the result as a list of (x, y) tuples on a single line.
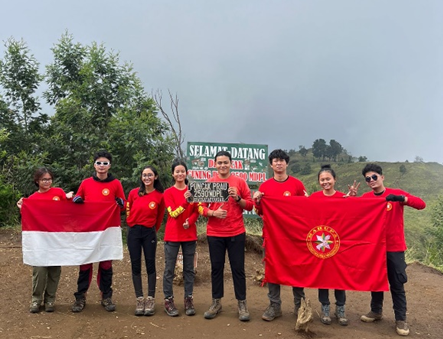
[(145, 208)]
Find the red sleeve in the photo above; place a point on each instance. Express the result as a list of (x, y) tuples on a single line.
[(245, 194), (160, 214), (171, 196), (193, 216), (415, 202)]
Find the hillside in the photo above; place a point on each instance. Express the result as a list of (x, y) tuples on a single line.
[(421, 179)]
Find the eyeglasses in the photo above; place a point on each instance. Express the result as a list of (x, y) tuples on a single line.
[(373, 177), (104, 163), (149, 175), (46, 180)]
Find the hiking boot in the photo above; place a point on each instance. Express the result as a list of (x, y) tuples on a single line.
[(79, 305), (325, 318), (371, 317), (243, 313), (272, 311), (402, 327), (341, 316), (150, 306), (35, 307), (170, 308), (139, 306), (108, 304), (49, 306), (189, 305), (214, 309)]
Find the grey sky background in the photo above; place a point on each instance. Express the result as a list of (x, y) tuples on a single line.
[(367, 73)]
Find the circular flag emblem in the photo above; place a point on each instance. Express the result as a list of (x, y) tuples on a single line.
[(323, 241), (105, 191), (56, 198), (287, 194), (152, 205), (388, 206)]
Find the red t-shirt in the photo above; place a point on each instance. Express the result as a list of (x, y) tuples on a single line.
[(93, 190), (395, 229), (273, 188), (178, 211), (54, 193), (320, 195), (233, 224), (146, 210)]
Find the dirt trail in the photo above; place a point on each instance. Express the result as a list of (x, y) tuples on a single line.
[(424, 292)]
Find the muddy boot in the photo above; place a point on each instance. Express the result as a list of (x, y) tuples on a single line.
[(243, 313), (214, 309), (325, 317), (341, 316), (272, 311)]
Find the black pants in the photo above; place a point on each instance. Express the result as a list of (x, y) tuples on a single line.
[(236, 253), (397, 278), (142, 238)]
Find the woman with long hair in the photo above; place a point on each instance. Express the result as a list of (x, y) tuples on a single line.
[(180, 231), (144, 214)]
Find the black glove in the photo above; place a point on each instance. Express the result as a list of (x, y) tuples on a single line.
[(393, 197), (78, 200), (119, 201)]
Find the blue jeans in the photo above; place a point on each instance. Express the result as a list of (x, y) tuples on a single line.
[(171, 251)]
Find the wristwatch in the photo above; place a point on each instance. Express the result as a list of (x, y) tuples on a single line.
[(238, 200)]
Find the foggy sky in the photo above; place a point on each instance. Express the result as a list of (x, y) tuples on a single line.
[(368, 74)]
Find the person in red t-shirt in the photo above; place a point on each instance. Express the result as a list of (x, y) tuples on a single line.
[(226, 232), (395, 246), (45, 279), (326, 179), (102, 186), (281, 184), (180, 230), (144, 214)]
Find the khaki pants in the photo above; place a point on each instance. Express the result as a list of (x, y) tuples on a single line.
[(44, 283)]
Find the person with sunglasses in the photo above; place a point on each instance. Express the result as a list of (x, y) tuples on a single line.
[(395, 245), (327, 179), (102, 186), (145, 209), (45, 279)]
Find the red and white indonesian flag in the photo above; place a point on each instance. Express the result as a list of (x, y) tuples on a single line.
[(61, 233), (326, 243)]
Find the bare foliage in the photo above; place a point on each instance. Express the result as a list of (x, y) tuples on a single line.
[(172, 118)]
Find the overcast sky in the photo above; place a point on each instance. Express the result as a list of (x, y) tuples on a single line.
[(366, 73)]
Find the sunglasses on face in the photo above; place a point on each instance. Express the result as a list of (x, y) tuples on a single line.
[(373, 177), (104, 163)]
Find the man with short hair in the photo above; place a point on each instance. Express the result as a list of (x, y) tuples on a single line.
[(395, 245), (281, 184), (102, 186)]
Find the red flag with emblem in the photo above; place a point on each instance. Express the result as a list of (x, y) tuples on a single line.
[(327, 243)]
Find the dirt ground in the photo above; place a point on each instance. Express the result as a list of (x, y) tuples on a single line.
[(424, 292)]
